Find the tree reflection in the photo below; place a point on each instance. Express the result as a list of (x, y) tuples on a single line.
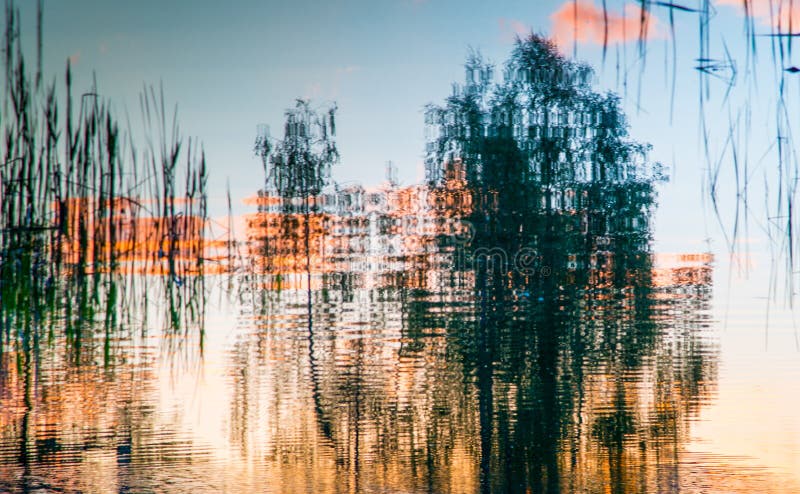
[(504, 328), (560, 348)]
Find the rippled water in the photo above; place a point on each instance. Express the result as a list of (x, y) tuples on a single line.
[(403, 361), (499, 328)]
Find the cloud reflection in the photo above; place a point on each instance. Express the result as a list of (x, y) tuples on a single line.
[(586, 23)]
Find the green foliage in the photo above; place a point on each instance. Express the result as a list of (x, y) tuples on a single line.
[(543, 123), (300, 164)]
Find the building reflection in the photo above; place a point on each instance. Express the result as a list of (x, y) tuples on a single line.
[(428, 362), (126, 235), (447, 348)]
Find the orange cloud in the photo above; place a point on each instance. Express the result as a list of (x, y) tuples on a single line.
[(585, 22), (782, 15)]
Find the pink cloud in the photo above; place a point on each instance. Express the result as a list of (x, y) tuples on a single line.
[(585, 22), (782, 15)]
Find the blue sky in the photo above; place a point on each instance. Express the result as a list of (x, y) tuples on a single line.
[(233, 66)]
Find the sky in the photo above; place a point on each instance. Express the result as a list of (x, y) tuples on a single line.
[(231, 67)]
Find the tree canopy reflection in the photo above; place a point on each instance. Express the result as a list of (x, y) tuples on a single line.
[(504, 327)]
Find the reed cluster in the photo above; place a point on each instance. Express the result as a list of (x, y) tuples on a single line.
[(94, 223)]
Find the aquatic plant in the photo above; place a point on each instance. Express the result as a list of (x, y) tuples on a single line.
[(86, 209)]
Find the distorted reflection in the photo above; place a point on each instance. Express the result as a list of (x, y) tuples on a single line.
[(503, 328)]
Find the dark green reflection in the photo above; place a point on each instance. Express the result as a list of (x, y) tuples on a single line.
[(503, 328)]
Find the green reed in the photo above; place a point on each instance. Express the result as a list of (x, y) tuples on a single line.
[(88, 214)]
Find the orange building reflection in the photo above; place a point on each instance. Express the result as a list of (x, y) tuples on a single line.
[(390, 398), (125, 235)]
